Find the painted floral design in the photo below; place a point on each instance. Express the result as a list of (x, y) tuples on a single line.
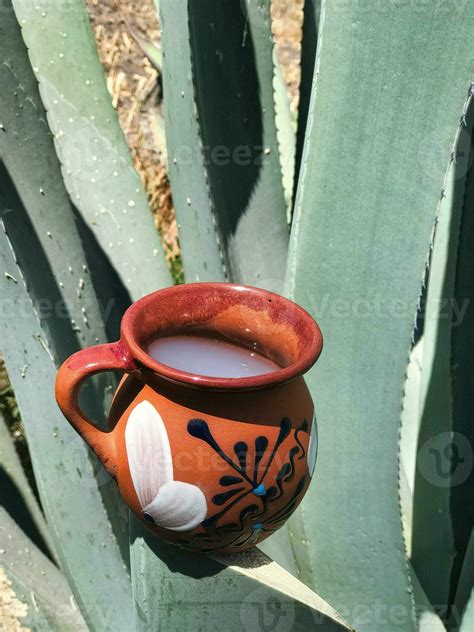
[(170, 504), (248, 481), (181, 506)]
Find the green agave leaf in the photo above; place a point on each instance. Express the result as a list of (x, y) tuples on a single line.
[(50, 242), (463, 607), (433, 538), (309, 42), (467, 623), (96, 164), (428, 619), (36, 582), (243, 592), (67, 475), (278, 548), (368, 197), (201, 248), (461, 455), (50, 309), (16, 496), (410, 427), (285, 134), (30, 178), (224, 153)]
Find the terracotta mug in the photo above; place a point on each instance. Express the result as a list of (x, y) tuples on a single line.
[(209, 463)]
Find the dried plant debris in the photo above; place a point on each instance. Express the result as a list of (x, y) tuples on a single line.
[(11, 609), (287, 22)]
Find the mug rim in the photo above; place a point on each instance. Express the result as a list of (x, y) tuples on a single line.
[(306, 359)]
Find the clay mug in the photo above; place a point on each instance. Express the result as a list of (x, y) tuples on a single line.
[(209, 463)]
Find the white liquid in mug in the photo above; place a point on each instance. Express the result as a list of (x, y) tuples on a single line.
[(209, 357)]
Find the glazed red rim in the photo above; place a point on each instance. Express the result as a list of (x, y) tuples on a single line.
[(175, 309)]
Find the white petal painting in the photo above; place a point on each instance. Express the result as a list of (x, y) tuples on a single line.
[(178, 506), (148, 451), (170, 504)]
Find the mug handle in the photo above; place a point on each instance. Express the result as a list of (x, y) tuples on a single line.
[(81, 365)]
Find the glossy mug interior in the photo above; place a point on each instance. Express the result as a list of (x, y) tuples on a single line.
[(209, 463)]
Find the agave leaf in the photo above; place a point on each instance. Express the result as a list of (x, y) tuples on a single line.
[(433, 538), (40, 221), (67, 475), (461, 501), (278, 548), (234, 40), (247, 591), (50, 243), (467, 622), (357, 260), (201, 249), (463, 606), (96, 165), (224, 154), (285, 134), (410, 426), (31, 179), (47, 320), (16, 495), (428, 619), (309, 42), (37, 582)]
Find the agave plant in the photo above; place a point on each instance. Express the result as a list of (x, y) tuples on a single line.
[(363, 216)]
